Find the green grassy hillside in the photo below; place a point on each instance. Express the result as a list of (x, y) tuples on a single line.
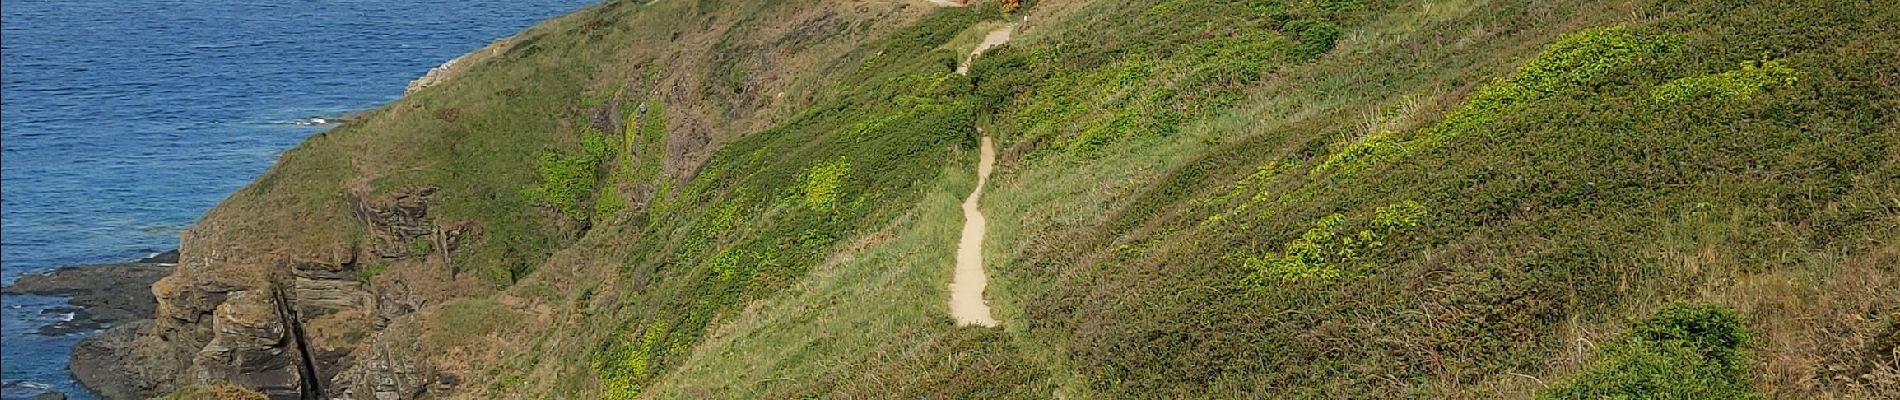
[(1463, 199), (1196, 199)]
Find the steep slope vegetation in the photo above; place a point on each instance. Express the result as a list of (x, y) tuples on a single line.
[(1194, 198), (1371, 199), (393, 255), (1462, 199)]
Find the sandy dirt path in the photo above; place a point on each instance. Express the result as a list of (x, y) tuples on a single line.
[(966, 287), (995, 38)]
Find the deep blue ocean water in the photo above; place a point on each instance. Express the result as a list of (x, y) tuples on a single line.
[(123, 121)]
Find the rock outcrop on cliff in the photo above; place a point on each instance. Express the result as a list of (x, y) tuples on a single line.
[(448, 69)]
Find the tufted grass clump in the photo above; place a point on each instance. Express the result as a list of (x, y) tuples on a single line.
[(1683, 351), (369, 272), (1316, 37)]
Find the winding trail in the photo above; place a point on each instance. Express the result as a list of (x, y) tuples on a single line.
[(966, 287)]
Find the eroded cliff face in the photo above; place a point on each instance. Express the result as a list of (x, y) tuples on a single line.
[(282, 322)]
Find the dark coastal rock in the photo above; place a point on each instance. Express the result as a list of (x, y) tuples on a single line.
[(102, 361), (114, 296), (26, 390), (167, 257), (102, 295)]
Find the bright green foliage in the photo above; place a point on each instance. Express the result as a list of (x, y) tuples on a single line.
[(1254, 183), (609, 203), (821, 183), (367, 273), (630, 137), (1573, 62), (722, 219), (1738, 85), (725, 265), (653, 125), (642, 146), (566, 182), (1404, 215), (1368, 150), (1683, 351), (1314, 256), (1325, 251), (638, 362), (622, 374), (419, 247), (596, 144)]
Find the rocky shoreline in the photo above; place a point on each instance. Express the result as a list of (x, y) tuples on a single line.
[(100, 297)]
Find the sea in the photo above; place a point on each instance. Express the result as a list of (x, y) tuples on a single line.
[(121, 122)]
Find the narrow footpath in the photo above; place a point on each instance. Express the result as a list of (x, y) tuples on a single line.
[(966, 288)]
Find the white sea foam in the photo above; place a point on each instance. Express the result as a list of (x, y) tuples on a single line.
[(316, 121)]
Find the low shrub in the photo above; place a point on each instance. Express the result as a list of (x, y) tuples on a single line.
[(1325, 252), (1683, 351), (1742, 84)]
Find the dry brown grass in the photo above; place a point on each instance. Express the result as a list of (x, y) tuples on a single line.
[(1829, 332)]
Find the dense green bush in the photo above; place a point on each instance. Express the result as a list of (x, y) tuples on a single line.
[(1316, 37), (566, 183), (1325, 252), (1739, 85), (1553, 193), (622, 370), (819, 185), (1171, 62), (1575, 63), (1683, 351)]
